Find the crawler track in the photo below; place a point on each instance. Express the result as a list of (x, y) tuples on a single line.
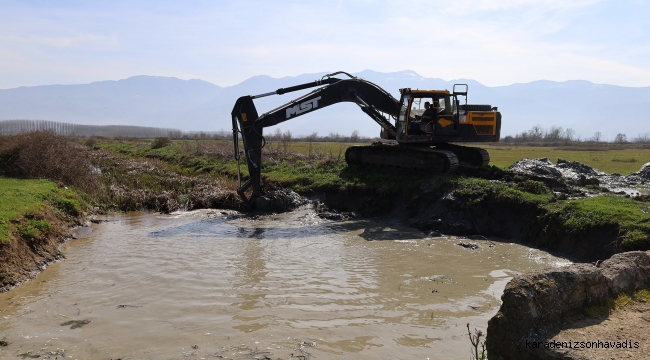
[(467, 155), (436, 161)]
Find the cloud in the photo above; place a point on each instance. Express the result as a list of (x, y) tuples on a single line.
[(495, 42)]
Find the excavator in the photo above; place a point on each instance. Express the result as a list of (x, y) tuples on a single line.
[(419, 136)]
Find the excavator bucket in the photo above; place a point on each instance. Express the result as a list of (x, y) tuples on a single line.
[(244, 115)]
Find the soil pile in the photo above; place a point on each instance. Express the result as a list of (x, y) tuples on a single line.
[(280, 201), (584, 174), (538, 304)]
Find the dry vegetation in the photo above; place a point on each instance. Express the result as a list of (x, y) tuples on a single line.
[(44, 155)]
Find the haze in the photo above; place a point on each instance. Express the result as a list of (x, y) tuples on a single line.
[(493, 42)]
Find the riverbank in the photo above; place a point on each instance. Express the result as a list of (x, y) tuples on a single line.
[(35, 218), (568, 313), (569, 207), (579, 216)]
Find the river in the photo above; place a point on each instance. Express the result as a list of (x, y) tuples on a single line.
[(211, 284)]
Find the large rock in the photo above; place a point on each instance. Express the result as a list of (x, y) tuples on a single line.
[(536, 304)]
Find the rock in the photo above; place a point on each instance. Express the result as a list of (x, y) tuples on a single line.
[(536, 304), (582, 173), (644, 172), (337, 216), (542, 166), (468, 245)]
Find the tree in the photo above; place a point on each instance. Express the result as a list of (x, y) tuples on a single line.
[(312, 137), (642, 138), (597, 136), (620, 138), (355, 136)]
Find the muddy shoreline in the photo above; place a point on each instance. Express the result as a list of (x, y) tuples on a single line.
[(23, 260), (437, 207)]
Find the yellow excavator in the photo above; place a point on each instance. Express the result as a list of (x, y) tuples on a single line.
[(420, 127)]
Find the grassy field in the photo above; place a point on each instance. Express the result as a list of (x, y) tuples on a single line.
[(27, 198), (623, 161)]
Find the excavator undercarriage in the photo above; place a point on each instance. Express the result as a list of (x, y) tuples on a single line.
[(419, 137)]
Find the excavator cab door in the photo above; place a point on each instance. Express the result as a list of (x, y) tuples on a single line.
[(446, 123)]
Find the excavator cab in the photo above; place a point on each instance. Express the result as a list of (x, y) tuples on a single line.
[(449, 119), (416, 127)]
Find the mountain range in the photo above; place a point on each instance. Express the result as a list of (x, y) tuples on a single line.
[(197, 105)]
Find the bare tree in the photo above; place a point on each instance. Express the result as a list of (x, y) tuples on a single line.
[(597, 136), (286, 139), (536, 133), (355, 136), (620, 138), (642, 138), (554, 133), (312, 137)]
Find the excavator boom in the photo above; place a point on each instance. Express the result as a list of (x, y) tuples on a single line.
[(372, 100), (416, 130)]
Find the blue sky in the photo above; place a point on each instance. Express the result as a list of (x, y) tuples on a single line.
[(496, 42)]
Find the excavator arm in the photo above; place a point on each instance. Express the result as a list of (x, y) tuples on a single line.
[(371, 99)]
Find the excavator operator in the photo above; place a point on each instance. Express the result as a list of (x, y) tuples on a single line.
[(417, 127), (429, 112)]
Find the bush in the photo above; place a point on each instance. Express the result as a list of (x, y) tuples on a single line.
[(91, 141), (44, 155), (160, 142)]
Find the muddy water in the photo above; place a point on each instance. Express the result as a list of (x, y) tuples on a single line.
[(212, 285)]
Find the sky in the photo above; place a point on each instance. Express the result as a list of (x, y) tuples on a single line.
[(496, 42)]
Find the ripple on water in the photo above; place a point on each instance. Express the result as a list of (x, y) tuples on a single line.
[(220, 280)]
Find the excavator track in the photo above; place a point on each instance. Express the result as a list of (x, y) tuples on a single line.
[(467, 155), (432, 160)]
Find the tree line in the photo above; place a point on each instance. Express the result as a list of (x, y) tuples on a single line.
[(14, 127), (537, 134), (557, 134)]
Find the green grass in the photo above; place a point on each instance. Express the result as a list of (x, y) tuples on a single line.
[(578, 217), (20, 197), (477, 190), (26, 198)]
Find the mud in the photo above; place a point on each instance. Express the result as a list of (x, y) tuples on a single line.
[(211, 284), (24, 259)]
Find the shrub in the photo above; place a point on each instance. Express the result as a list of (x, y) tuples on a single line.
[(44, 155), (160, 142)]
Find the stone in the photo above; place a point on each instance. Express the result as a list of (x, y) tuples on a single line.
[(536, 304)]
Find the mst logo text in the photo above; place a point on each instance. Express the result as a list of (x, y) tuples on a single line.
[(303, 107)]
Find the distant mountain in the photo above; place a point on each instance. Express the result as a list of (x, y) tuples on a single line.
[(201, 106)]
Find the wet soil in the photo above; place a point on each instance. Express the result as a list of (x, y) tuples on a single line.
[(219, 284), (23, 259)]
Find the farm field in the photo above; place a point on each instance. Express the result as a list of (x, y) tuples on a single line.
[(622, 161)]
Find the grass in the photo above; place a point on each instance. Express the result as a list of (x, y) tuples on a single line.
[(22, 202), (620, 302), (165, 175), (580, 217)]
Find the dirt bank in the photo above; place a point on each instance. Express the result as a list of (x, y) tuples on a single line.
[(527, 203), (24, 257), (537, 305)]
